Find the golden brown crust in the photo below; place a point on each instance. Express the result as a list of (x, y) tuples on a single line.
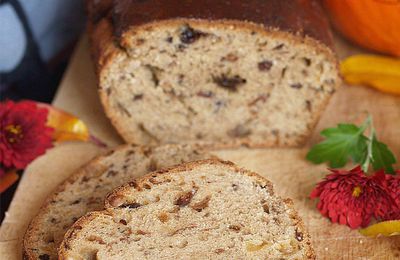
[(187, 167), (177, 170)]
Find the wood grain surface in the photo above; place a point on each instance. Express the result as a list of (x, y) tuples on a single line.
[(292, 175)]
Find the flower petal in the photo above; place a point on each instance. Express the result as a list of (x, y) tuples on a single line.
[(67, 127)]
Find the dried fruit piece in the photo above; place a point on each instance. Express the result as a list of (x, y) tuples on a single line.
[(199, 206), (239, 131), (234, 227), (381, 73), (228, 82), (230, 57), (262, 97), (265, 65), (205, 94), (296, 86), (163, 217), (219, 251), (299, 236), (131, 205), (189, 35), (185, 198), (255, 246)]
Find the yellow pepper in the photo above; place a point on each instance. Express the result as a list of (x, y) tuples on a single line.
[(385, 228), (379, 72)]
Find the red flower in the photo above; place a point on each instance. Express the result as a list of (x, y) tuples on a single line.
[(23, 133), (393, 188), (351, 198)]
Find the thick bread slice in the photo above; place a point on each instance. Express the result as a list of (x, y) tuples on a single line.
[(86, 189), (215, 72), (207, 209)]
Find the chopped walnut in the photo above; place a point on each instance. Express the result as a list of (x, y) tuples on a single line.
[(230, 57), (185, 198), (219, 251), (199, 206), (141, 232), (97, 239), (234, 227), (163, 217)]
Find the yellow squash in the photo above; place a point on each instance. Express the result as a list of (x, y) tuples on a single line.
[(380, 72)]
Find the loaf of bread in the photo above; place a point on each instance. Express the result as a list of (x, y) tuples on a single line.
[(206, 209), (86, 189), (215, 72)]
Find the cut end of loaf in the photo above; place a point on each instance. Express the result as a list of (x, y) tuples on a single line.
[(220, 83), (201, 210), (85, 190)]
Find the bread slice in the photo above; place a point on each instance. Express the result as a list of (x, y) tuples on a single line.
[(215, 72), (207, 209), (86, 189)]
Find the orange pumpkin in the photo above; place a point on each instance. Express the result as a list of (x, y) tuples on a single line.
[(374, 24)]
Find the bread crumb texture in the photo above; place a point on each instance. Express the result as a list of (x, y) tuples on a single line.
[(86, 189), (217, 84), (203, 210)]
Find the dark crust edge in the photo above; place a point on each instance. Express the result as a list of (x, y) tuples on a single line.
[(104, 50), (297, 16), (87, 169), (298, 223)]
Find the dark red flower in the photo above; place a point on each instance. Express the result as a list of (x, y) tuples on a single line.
[(351, 198), (23, 133), (393, 188)]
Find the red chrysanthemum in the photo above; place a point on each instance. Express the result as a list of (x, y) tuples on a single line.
[(351, 198), (393, 188), (23, 133)]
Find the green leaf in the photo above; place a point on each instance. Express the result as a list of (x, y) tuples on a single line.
[(382, 157), (341, 143)]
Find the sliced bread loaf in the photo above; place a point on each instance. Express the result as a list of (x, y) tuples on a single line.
[(207, 209), (215, 72), (86, 189)]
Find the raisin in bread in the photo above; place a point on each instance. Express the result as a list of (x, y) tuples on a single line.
[(85, 191), (214, 72), (207, 209)]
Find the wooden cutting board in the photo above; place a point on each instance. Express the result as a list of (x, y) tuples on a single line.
[(293, 176)]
